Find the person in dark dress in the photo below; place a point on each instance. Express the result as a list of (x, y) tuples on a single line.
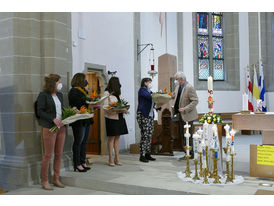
[(115, 122), (80, 128)]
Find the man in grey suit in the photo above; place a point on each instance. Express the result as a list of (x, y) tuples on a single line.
[(186, 100)]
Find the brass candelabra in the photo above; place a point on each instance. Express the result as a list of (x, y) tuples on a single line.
[(215, 171), (205, 176), (201, 165), (228, 176), (232, 167), (196, 176), (211, 174), (187, 172)]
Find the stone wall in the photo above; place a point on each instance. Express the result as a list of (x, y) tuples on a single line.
[(32, 46)]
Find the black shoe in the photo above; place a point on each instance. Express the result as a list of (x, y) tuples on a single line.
[(77, 169), (148, 157), (143, 159), (86, 168)]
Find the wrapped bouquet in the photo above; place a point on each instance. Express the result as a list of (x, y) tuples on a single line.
[(120, 106), (94, 98), (71, 115), (211, 118), (162, 97)]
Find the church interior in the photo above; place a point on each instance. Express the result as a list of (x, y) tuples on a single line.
[(226, 57)]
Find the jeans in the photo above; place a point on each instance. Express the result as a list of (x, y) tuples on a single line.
[(81, 135)]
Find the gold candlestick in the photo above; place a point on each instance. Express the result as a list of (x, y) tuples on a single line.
[(201, 165), (206, 151), (215, 171), (211, 174), (232, 167), (187, 162), (196, 177), (228, 178), (205, 176)]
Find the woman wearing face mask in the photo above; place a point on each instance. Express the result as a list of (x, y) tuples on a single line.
[(145, 119), (49, 109), (80, 128), (115, 122)]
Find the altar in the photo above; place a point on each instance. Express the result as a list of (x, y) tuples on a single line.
[(253, 121)]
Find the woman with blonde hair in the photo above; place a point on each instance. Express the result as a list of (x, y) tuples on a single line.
[(49, 110)]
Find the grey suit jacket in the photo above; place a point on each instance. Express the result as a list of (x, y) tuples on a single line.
[(46, 109), (188, 101)]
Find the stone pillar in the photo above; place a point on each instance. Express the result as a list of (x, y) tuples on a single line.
[(34, 45)]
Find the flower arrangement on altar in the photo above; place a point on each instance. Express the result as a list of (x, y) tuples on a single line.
[(120, 106), (70, 115), (211, 118), (162, 96)]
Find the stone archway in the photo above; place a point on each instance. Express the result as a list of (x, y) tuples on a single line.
[(100, 71)]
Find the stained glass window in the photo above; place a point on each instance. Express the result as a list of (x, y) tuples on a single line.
[(203, 46), (217, 25), (210, 53), (217, 47), (203, 69), (203, 23), (218, 69)]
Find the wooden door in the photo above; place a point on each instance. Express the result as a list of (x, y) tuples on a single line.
[(94, 142)]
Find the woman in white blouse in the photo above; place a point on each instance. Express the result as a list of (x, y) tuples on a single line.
[(49, 110)]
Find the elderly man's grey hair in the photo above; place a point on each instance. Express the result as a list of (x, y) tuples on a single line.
[(179, 75)]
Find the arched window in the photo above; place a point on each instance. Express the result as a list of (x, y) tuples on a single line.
[(210, 45)]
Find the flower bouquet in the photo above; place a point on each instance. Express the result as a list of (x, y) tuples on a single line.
[(120, 106), (71, 115), (211, 118), (94, 98), (162, 97)]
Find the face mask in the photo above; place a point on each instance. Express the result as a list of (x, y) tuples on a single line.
[(149, 86), (59, 87), (86, 82), (176, 83)]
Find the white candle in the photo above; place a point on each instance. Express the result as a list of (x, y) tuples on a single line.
[(226, 127), (232, 148), (245, 102), (228, 141), (195, 144), (210, 83), (204, 154)]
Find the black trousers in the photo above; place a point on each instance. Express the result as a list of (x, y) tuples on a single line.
[(81, 135), (182, 132)]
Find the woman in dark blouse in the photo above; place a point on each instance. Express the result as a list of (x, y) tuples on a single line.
[(80, 128)]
